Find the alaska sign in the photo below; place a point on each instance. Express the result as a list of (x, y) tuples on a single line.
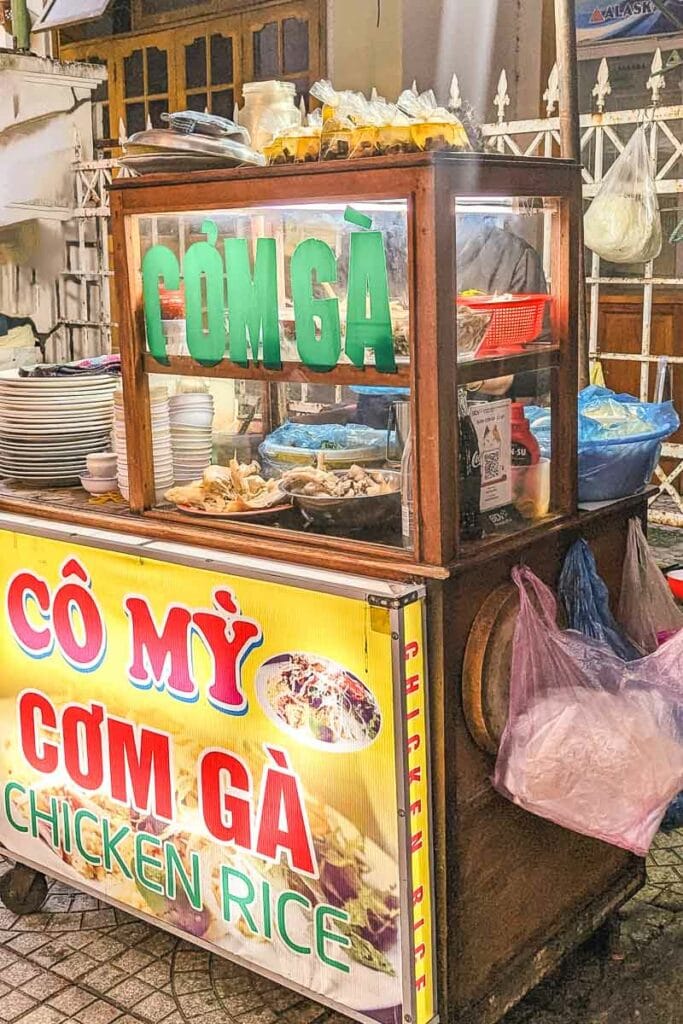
[(232, 307), (627, 19)]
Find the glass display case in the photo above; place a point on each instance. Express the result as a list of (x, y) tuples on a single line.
[(351, 359), (347, 411)]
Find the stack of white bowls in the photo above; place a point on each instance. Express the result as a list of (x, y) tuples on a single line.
[(161, 442), (191, 417)]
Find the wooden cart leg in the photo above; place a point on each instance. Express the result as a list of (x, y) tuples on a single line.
[(23, 890)]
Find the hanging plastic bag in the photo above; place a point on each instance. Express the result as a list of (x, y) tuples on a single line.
[(647, 609), (673, 819), (590, 743), (586, 602), (623, 223)]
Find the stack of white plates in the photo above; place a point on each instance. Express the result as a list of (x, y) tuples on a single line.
[(48, 425), (161, 443), (191, 435)]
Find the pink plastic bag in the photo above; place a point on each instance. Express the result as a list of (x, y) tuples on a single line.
[(647, 609), (592, 742)]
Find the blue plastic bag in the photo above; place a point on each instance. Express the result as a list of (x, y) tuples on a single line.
[(585, 598), (620, 441), (673, 819)]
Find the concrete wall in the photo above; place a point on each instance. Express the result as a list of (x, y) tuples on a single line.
[(476, 39), (429, 40), (359, 53)]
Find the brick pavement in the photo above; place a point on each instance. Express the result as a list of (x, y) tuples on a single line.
[(79, 960)]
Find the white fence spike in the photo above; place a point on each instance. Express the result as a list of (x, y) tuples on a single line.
[(552, 93), (656, 82), (502, 99), (603, 87), (454, 95)]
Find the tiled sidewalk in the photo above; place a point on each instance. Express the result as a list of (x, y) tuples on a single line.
[(78, 960)]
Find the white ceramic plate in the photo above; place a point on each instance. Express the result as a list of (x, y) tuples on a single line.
[(38, 466), (73, 420), (56, 401)]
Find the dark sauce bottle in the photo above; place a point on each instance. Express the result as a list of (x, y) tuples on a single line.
[(469, 473)]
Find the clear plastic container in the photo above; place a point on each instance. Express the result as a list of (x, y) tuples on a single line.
[(269, 108)]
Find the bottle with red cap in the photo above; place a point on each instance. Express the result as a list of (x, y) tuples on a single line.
[(525, 449)]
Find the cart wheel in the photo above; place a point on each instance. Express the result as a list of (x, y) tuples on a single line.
[(23, 890)]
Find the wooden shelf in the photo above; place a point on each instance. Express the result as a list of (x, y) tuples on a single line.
[(539, 358), (296, 373)]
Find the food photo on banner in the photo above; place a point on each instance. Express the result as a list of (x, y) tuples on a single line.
[(194, 753), (599, 22)]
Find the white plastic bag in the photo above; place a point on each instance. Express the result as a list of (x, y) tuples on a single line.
[(623, 223), (647, 610)]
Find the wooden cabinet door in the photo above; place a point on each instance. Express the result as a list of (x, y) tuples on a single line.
[(145, 83), (284, 42), (208, 62)]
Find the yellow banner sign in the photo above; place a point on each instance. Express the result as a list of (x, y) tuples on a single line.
[(242, 761)]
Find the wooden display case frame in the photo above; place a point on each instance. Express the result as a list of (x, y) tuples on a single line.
[(429, 184)]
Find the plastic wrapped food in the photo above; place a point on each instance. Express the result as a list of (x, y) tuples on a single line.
[(623, 223), (395, 137), (384, 130), (341, 445), (434, 127), (591, 742), (337, 139), (295, 146), (336, 104)]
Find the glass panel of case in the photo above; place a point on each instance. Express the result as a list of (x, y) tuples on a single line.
[(504, 252), (323, 285), (297, 289), (504, 454), (319, 459)]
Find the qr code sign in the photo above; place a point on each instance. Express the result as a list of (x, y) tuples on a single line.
[(492, 467)]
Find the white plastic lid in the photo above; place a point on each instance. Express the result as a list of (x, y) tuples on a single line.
[(269, 86)]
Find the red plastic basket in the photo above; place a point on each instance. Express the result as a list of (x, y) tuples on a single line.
[(514, 322)]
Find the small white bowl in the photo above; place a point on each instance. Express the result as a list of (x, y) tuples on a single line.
[(192, 418), (101, 465), (99, 485), (190, 398)]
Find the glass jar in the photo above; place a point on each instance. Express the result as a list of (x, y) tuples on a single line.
[(269, 108)]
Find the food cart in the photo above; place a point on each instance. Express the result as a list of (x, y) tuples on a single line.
[(273, 731)]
